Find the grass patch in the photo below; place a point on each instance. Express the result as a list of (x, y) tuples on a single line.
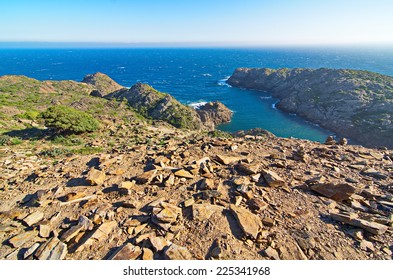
[(67, 141), (88, 150)]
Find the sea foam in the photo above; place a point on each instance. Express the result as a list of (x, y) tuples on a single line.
[(223, 82), (197, 105)]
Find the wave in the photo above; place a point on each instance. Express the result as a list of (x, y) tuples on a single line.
[(206, 75), (197, 105), (223, 82), (265, 97), (274, 105)]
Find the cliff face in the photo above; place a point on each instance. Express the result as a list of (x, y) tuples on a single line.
[(214, 113), (157, 105), (97, 93), (357, 104)]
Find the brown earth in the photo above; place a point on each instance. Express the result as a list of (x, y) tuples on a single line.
[(190, 196)]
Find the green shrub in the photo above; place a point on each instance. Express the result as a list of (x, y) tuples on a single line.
[(4, 140), (8, 140), (67, 141), (54, 152), (66, 120), (30, 115), (88, 150)]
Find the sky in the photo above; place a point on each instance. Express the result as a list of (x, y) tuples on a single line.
[(210, 22)]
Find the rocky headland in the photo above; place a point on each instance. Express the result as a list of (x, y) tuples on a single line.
[(153, 182), (353, 103)]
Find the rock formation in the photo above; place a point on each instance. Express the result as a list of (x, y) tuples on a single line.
[(356, 104), (145, 100), (214, 113), (103, 84)]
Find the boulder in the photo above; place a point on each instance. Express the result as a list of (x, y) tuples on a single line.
[(175, 252), (248, 222), (337, 192), (96, 177)]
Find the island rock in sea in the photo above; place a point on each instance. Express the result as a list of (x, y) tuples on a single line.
[(356, 104), (214, 113)]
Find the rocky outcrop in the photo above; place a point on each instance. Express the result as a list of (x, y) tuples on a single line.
[(161, 106), (214, 113), (103, 84), (157, 105), (144, 99), (356, 104)]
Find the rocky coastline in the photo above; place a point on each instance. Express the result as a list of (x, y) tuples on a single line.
[(353, 103), (153, 183)]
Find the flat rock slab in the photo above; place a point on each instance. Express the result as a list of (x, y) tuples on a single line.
[(158, 243), (271, 253), (337, 192), (126, 252), (96, 177), (375, 174), (145, 177), (147, 254), (99, 235), (182, 173), (202, 212), (20, 239), (273, 179), (257, 204), (249, 169), (248, 222), (33, 218), (53, 249), (167, 215), (227, 160), (371, 227), (175, 252), (31, 250)]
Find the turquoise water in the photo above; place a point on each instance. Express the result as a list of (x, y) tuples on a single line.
[(198, 75)]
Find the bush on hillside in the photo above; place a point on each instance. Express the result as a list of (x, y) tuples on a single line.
[(66, 120)]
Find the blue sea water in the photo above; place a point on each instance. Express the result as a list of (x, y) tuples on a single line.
[(199, 75)]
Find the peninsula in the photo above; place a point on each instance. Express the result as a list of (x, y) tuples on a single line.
[(353, 103)]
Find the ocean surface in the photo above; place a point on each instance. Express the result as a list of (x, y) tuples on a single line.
[(194, 76)]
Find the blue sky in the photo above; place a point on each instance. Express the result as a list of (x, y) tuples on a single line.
[(239, 22)]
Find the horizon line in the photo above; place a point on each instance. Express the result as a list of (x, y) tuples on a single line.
[(76, 44)]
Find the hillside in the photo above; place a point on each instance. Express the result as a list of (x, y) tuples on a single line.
[(356, 104), (140, 188)]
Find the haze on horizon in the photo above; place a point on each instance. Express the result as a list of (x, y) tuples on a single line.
[(202, 22)]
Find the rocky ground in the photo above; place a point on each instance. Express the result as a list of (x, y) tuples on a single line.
[(185, 195)]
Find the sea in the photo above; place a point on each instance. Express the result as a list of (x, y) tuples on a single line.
[(198, 75)]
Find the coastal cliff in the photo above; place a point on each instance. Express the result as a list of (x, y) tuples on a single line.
[(98, 92), (356, 104), (136, 187)]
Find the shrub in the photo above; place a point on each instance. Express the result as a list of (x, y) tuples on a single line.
[(67, 120), (6, 140), (54, 152), (30, 115), (67, 141)]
